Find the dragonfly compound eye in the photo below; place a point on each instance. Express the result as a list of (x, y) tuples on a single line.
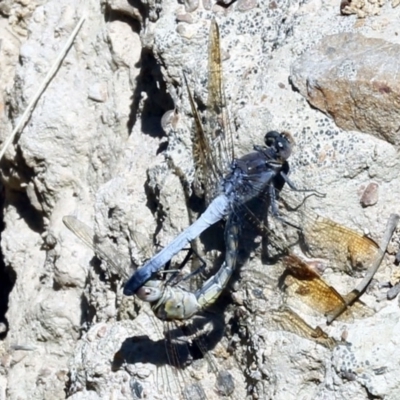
[(280, 143), (271, 137), (151, 291)]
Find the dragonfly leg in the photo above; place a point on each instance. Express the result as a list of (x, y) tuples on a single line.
[(198, 270), (274, 208), (174, 272), (293, 187)]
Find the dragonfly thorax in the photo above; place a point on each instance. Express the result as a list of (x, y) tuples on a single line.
[(251, 175)]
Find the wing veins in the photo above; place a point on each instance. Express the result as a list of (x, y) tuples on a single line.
[(202, 152), (221, 132), (87, 236)]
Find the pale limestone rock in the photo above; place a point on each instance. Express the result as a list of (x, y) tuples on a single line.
[(94, 147)]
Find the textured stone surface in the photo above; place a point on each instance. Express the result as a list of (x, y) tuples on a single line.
[(354, 79), (95, 148), (362, 8)]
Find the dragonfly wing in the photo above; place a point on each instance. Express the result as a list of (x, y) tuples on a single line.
[(289, 321), (302, 282), (345, 249), (200, 335), (351, 249), (104, 252), (213, 142), (206, 173), (219, 122), (320, 237)]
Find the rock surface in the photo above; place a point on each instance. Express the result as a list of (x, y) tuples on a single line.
[(354, 79), (98, 147)]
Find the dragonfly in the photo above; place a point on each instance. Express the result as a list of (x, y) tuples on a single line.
[(256, 177), (176, 346), (169, 302), (299, 279), (241, 186), (334, 241), (229, 183), (172, 303)]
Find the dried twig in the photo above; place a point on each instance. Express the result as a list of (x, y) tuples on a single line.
[(42, 87), (351, 297)]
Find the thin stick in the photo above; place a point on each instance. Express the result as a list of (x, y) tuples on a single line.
[(42, 87), (351, 297)]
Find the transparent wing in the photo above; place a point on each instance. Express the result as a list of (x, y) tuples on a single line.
[(302, 282), (213, 143), (344, 248), (175, 352), (326, 238), (104, 252), (199, 337), (219, 122), (289, 321), (206, 171)]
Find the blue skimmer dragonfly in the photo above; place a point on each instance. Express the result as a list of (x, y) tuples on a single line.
[(231, 182), (257, 177)]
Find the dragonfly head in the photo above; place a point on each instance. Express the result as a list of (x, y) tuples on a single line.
[(280, 143), (151, 291)]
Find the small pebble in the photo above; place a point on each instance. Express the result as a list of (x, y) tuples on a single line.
[(370, 195)]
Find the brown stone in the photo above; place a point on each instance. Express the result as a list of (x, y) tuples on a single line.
[(370, 195), (355, 80)]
